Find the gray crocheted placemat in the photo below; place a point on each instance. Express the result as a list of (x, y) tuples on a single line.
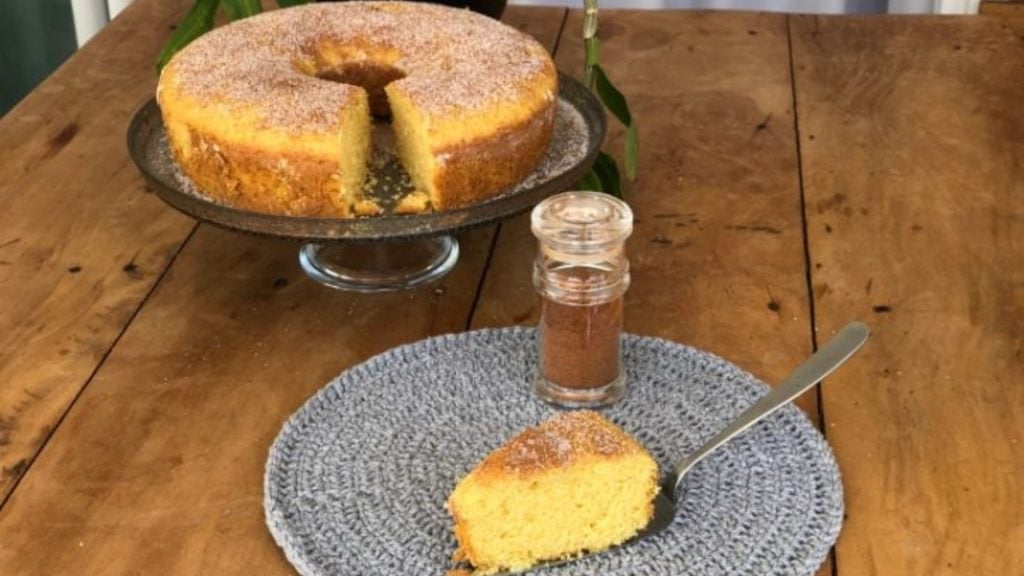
[(356, 481)]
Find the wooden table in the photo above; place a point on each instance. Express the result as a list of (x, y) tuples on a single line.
[(797, 172)]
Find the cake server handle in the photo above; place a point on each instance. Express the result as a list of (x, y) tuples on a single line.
[(822, 363)]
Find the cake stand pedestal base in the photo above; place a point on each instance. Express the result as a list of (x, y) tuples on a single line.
[(379, 266)]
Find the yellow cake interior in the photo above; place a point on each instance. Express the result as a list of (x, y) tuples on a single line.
[(414, 150), (574, 483)]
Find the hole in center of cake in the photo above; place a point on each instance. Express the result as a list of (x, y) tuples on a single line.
[(370, 77)]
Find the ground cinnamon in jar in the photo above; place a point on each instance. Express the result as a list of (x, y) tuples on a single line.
[(580, 343), (581, 274)]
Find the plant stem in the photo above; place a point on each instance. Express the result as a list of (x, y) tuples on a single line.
[(590, 40)]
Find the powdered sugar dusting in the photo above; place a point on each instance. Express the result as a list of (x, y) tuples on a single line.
[(560, 440), (451, 58)]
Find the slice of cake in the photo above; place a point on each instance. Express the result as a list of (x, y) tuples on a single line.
[(574, 483)]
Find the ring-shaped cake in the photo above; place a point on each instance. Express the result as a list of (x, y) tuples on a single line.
[(273, 113)]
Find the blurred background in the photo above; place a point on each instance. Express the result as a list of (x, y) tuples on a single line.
[(36, 36), (802, 6)]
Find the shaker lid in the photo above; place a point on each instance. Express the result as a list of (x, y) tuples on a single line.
[(582, 222)]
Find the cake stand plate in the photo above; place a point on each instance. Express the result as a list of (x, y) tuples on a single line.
[(407, 250), (357, 480)]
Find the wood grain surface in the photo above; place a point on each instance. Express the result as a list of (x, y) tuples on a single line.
[(1009, 8), (717, 258), (81, 245), (158, 468), (181, 351), (1010, 14), (911, 134)]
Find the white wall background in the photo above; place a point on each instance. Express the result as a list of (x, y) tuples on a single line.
[(91, 15)]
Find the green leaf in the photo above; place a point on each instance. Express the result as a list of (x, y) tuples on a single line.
[(611, 97), (608, 172), (603, 176), (632, 149), (238, 9), (197, 22), (590, 181), (290, 3), (616, 104)]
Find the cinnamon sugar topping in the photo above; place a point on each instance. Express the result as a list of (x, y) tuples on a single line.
[(562, 439), (450, 58)]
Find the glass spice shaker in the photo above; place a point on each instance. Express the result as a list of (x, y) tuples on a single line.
[(581, 273)]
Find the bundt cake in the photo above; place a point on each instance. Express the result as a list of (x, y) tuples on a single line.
[(273, 113), (574, 483)]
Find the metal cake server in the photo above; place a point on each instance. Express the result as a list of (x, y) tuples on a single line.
[(822, 363)]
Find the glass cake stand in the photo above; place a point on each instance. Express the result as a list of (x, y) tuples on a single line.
[(388, 252)]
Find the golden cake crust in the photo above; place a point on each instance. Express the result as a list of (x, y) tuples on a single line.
[(252, 120), (556, 443), (236, 177), (474, 171)]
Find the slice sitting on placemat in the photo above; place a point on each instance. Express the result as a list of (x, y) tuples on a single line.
[(574, 483)]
